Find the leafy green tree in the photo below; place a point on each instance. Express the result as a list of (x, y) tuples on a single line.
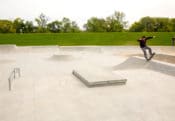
[(74, 27), (95, 24), (6, 26), (120, 17), (145, 24), (163, 24), (19, 25), (66, 25), (148, 24), (136, 27), (153, 24), (29, 27), (42, 23), (172, 24), (114, 23), (69, 26), (55, 26)]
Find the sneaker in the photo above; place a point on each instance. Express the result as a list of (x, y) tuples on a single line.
[(153, 53), (147, 59)]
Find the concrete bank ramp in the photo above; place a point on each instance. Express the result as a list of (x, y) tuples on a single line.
[(93, 49), (94, 77), (140, 63), (56, 57)]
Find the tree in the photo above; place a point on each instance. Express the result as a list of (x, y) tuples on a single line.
[(116, 23), (29, 27), (74, 27), (66, 25), (153, 24), (42, 22), (172, 24), (69, 26), (163, 24), (55, 26), (120, 17), (19, 25), (6, 26), (136, 27), (95, 24), (148, 23), (113, 23)]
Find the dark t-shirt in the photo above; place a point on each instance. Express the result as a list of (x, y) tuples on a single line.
[(143, 40)]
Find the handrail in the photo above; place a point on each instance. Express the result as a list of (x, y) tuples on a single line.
[(16, 72)]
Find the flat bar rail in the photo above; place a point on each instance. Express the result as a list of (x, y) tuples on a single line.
[(14, 74)]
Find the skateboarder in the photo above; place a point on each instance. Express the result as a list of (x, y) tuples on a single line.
[(144, 47)]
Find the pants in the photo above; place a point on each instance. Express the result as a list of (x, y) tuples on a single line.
[(145, 53)]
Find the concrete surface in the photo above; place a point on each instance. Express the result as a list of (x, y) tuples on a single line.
[(94, 77), (47, 90), (140, 63)]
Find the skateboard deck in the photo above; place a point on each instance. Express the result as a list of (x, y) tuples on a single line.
[(151, 56)]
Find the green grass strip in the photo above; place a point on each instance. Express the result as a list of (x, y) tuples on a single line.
[(84, 38)]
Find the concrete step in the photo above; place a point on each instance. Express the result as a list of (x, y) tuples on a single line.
[(93, 77)]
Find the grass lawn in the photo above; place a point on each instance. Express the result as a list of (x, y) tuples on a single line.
[(69, 39)]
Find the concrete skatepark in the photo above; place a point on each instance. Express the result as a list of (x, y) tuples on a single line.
[(48, 91)]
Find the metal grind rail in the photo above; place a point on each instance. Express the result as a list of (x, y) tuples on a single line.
[(14, 74)]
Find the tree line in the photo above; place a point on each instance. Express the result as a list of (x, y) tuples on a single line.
[(153, 24), (114, 23), (21, 26)]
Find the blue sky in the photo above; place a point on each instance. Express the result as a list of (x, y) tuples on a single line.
[(81, 10)]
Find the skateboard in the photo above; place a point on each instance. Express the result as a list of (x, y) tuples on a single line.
[(151, 57)]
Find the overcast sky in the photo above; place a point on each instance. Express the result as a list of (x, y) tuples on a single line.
[(81, 10)]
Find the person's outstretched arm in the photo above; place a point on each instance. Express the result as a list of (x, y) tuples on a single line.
[(138, 40), (150, 37)]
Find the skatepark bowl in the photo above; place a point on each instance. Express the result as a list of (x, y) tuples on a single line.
[(52, 83)]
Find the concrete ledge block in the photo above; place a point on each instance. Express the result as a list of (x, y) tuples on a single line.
[(94, 78)]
